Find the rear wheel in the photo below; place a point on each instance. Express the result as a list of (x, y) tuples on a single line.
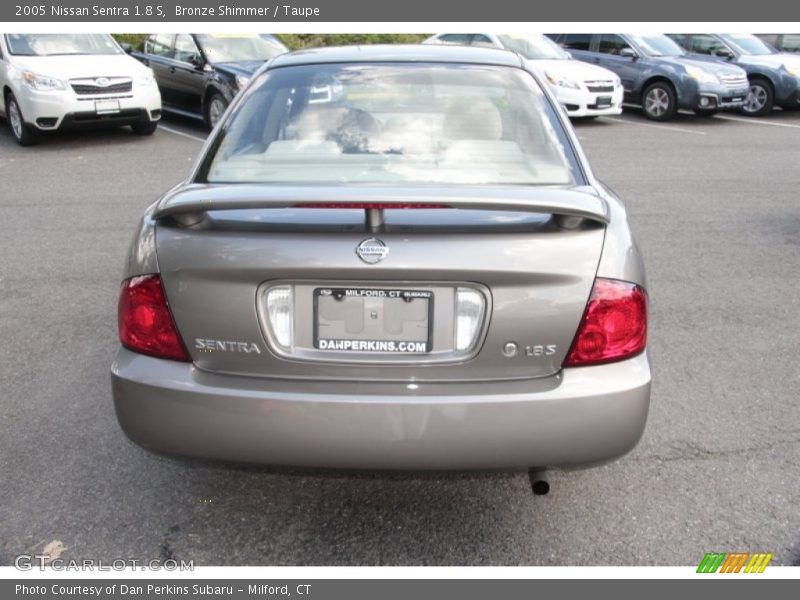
[(145, 128), (760, 98), (215, 109), (659, 101), (23, 133)]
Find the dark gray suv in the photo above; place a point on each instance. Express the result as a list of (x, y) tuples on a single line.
[(774, 76), (658, 75)]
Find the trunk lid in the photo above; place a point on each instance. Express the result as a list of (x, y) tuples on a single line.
[(531, 255)]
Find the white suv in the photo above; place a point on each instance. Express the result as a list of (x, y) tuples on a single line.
[(583, 89), (59, 81)]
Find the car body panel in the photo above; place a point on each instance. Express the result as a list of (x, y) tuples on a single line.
[(578, 418), (541, 271)]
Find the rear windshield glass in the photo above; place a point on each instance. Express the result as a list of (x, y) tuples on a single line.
[(393, 123), (54, 44)]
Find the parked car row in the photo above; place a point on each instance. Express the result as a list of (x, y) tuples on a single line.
[(701, 72), (60, 81)]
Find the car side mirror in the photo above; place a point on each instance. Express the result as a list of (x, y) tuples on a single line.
[(197, 61), (126, 47), (628, 53), (569, 54), (723, 53)]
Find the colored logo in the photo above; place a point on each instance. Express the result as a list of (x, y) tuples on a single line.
[(734, 562)]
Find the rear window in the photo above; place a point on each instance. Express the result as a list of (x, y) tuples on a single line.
[(393, 123)]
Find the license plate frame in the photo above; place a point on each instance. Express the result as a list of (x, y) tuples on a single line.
[(106, 107), (385, 346)]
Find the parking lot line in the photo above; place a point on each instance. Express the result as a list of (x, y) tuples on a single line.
[(654, 126), (181, 133), (756, 121)]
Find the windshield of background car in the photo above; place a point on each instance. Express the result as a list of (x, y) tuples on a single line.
[(393, 123), (748, 44), (231, 47), (657, 45), (533, 47), (54, 44)]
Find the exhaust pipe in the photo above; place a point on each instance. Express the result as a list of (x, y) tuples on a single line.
[(539, 485)]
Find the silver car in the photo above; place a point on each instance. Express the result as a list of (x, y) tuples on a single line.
[(387, 257)]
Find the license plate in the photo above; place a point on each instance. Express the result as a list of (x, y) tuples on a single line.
[(373, 320), (603, 101), (106, 107)]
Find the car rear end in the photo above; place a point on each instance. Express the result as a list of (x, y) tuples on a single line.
[(417, 315)]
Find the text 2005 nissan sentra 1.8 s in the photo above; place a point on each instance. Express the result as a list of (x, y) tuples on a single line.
[(387, 257)]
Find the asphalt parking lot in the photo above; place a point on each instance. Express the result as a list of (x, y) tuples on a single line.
[(714, 204)]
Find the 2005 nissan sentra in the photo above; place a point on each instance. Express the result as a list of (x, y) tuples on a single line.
[(387, 257)]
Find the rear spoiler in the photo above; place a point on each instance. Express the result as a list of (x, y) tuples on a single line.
[(188, 204)]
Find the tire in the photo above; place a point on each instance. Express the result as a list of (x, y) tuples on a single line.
[(760, 98), (705, 112), (145, 128), (659, 101), (23, 133), (215, 107)]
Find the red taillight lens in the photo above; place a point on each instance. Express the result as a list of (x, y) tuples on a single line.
[(614, 325), (145, 323)]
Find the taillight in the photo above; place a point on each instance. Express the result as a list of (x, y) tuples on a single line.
[(145, 323), (614, 326)]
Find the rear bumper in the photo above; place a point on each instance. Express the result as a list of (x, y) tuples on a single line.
[(580, 417)]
